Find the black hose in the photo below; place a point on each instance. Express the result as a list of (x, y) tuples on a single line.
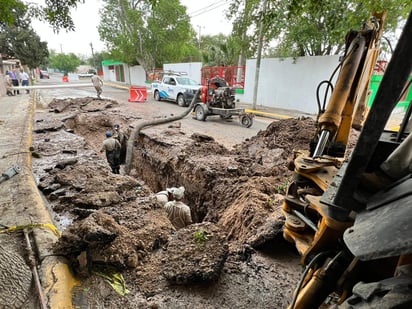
[(321, 107), (308, 267)]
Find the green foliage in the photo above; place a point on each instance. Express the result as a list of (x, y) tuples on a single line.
[(65, 63), (219, 50), (138, 31), (98, 58), (200, 237), (308, 27), (282, 187), (8, 9), (18, 40)]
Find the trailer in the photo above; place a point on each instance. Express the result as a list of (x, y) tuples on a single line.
[(218, 99), (201, 111)]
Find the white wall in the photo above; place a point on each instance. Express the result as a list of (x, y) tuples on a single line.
[(193, 69), (109, 75), (137, 75), (289, 83)]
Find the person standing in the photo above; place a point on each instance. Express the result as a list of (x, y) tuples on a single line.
[(24, 79), (9, 84), (112, 148), (177, 211), (15, 80), (122, 138), (97, 83)]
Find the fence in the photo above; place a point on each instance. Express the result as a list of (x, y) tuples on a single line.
[(234, 75)]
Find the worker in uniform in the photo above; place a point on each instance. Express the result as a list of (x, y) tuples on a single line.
[(122, 138), (98, 84), (9, 84), (177, 211), (112, 148), (165, 196)]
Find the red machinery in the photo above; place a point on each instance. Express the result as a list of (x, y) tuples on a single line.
[(217, 98)]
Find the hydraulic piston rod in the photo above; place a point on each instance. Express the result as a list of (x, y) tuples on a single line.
[(320, 147)]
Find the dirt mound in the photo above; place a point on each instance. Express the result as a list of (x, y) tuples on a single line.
[(195, 254), (238, 188)]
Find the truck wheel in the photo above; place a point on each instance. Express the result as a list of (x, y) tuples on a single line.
[(180, 100), (200, 113), (157, 95), (246, 121)]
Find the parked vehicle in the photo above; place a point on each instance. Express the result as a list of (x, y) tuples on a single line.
[(89, 73), (44, 74), (175, 87)]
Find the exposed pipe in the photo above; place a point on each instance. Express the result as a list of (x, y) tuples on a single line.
[(135, 133)]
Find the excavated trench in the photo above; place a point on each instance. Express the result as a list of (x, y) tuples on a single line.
[(234, 195)]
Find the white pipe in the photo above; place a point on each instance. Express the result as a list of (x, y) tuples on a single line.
[(52, 86)]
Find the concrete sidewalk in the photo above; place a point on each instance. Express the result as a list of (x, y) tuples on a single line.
[(21, 204)]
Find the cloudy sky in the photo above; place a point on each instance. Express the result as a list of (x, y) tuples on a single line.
[(207, 17)]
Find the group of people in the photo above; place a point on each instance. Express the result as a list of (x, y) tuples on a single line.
[(115, 146), (14, 78), (177, 211)]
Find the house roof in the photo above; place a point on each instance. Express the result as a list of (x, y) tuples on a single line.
[(111, 62)]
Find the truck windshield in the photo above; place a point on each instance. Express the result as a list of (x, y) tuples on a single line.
[(186, 81)]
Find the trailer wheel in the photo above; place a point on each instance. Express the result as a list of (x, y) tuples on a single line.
[(200, 112), (246, 121)]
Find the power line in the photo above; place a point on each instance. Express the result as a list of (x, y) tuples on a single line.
[(207, 9), (200, 10)]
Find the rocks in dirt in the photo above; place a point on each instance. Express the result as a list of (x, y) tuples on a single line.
[(195, 254), (270, 230), (87, 104), (62, 164), (121, 236), (87, 186), (45, 125), (201, 137)]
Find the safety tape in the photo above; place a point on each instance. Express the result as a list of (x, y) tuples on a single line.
[(16, 228)]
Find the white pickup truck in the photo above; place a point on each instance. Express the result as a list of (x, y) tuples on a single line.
[(180, 89)]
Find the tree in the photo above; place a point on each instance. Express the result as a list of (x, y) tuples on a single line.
[(55, 12), (310, 27), (18, 40), (219, 50), (7, 11), (146, 33), (25, 45), (64, 63)]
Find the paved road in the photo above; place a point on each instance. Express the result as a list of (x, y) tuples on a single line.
[(228, 133)]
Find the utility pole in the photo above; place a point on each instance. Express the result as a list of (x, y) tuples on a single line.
[(242, 56), (199, 27), (259, 55), (94, 61)]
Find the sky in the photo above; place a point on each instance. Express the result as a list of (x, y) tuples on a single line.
[(207, 18)]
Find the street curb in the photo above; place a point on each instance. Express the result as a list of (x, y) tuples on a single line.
[(56, 278), (267, 115)]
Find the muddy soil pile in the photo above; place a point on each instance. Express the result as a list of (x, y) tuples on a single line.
[(114, 220)]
